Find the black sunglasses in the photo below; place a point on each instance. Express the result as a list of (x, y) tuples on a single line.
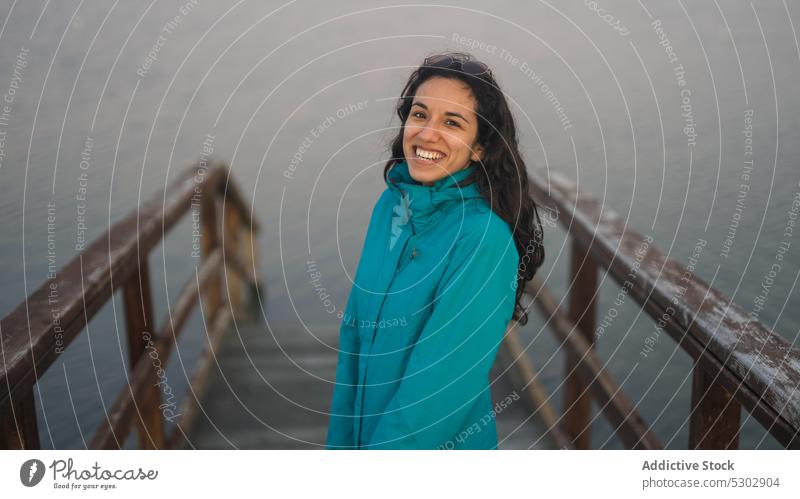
[(445, 61)]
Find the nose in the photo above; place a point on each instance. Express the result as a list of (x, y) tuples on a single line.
[(428, 134)]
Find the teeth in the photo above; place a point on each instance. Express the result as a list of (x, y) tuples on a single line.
[(422, 153)]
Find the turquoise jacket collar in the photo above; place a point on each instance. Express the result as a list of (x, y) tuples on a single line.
[(420, 205)]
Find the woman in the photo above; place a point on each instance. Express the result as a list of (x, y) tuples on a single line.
[(450, 245)]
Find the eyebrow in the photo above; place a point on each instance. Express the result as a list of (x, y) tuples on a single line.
[(447, 113)]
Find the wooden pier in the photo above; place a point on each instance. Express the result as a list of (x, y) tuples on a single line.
[(272, 390), (255, 387)]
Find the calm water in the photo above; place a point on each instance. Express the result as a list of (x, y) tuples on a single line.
[(654, 109)]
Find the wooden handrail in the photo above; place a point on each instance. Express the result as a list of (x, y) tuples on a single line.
[(739, 363), (31, 339)]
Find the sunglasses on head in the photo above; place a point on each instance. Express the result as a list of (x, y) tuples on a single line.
[(445, 61)]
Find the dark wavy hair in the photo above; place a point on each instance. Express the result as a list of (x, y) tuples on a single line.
[(503, 181)]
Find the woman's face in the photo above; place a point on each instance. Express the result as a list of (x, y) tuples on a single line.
[(441, 130)]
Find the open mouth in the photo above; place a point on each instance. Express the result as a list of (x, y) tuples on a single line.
[(428, 156)]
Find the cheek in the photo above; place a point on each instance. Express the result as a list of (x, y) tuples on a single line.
[(459, 145), (470, 142), (408, 132)]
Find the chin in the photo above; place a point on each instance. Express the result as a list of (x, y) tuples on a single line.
[(422, 175)]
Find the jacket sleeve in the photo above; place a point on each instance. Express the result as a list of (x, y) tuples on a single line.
[(340, 423), (449, 365)]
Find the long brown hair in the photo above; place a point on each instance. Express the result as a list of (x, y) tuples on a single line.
[(503, 181)]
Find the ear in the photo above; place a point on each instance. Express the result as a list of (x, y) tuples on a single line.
[(477, 153)]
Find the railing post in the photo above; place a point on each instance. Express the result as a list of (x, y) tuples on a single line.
[(577, 399), (18, 428), (138, 305), (233, 252), (714, 421), (251, 260), (208, 219)]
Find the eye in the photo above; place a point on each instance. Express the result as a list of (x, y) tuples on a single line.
[(453, 123), (418, 114)]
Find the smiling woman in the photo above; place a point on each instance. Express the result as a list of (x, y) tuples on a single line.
[(440, 135), (443, 253)]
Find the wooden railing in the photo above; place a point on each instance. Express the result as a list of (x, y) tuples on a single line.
[(32, 339), (738, 362)]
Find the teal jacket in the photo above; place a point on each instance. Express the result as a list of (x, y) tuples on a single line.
[(432, 296)]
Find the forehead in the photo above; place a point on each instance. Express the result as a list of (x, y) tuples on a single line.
[(446, 94)]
